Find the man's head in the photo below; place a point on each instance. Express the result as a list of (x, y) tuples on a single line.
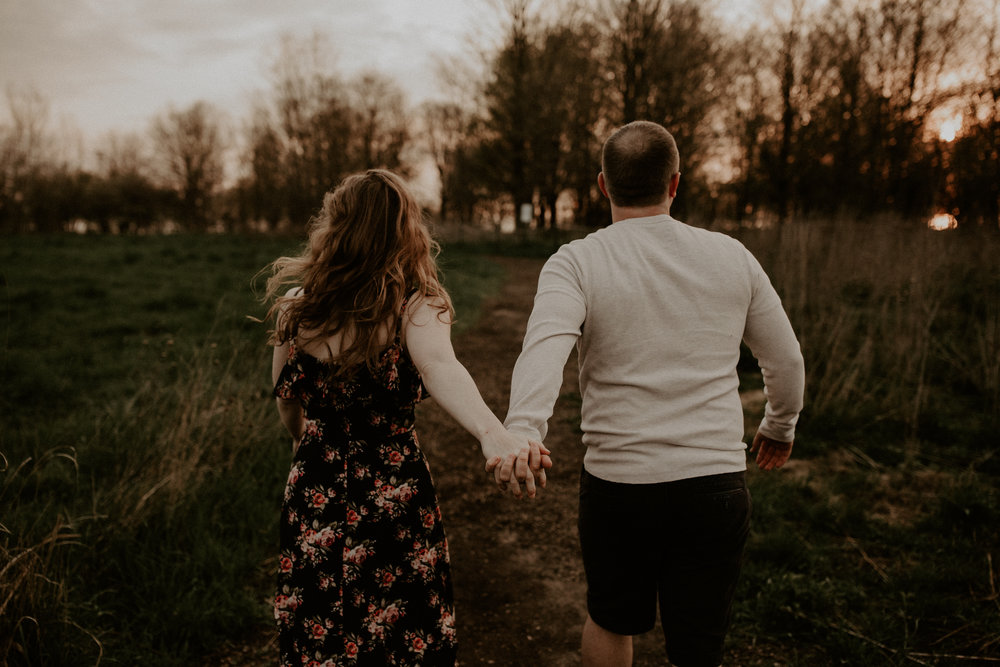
[(638, 164)]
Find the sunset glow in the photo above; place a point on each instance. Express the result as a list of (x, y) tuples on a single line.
[(942, 221), (949, 128)]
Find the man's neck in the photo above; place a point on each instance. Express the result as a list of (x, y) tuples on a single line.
[(627, 212)]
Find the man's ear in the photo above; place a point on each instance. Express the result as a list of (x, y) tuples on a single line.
[(675, 182), (602, 185)]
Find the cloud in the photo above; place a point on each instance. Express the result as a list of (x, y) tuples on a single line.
[(115, 64)]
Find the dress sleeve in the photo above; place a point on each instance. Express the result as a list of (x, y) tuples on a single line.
[(288, 386)]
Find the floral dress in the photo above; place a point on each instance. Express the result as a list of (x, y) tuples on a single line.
[(363, 576)]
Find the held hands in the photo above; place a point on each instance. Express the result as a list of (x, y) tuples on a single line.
[(771, 454), (513, 461)]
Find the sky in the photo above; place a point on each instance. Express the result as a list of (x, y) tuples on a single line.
[(104, 65)]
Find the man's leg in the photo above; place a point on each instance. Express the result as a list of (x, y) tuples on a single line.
[(603, 648), (711, 524), (620, 564)]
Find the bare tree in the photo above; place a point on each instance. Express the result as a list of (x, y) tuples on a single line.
[(444, 128), (313, 123), (667, 62), (189, 147), (379, 107), (23, 147), (506, 151)]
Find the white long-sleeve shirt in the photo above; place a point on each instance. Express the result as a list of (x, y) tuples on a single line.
[(658, 309)]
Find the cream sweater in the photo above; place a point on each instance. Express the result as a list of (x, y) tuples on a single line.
[(658, 309)]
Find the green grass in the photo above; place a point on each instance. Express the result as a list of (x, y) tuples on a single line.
[(142, 461)]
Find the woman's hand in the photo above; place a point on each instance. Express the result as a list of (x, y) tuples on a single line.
[(514, 460)]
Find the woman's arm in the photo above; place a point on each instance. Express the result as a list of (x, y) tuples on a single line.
[(427, 335), (290, 411)]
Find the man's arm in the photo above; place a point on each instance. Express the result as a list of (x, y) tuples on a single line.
[(772, 341), (554, 326)]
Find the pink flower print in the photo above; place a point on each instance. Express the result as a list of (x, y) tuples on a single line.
[(318, 499), (428, 518), (391, 614), (447, 625), (352, 518), (395, 458), (351, 649), (317, 631), (312, 428), (418, 645), (285, 564), (404, 493), (356, 555), (324, 538), (388, 578)]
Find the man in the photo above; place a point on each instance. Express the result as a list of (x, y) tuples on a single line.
[(658, 310)]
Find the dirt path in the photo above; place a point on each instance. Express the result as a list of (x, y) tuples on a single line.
[(518, 578), (519, 584)]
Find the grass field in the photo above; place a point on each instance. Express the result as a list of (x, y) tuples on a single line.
[(138, 447)]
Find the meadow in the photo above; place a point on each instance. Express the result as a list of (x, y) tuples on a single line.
[(139, 447)]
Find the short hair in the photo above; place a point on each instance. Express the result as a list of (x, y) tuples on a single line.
[(638, 161)]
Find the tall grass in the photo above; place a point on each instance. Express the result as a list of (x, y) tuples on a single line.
[(899, 326), (141, 463)]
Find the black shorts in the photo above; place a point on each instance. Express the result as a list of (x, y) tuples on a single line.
[(680, 542)]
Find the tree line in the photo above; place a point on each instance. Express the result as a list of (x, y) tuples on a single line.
[(812, 109)]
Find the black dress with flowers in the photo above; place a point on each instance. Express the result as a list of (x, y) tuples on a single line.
[(363, 574)]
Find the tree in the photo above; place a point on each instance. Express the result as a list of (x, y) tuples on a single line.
[(262, 190), (444, 130), (569, 100), (976, 159), (668, 64), (504, 151), (313, 125), (189, 147), (379, 108), (23, 150), (122, 196)]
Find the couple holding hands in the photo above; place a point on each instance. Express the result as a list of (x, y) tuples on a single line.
[(657, 309)]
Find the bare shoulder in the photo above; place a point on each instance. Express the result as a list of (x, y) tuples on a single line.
[(421, 309), (283, 304)]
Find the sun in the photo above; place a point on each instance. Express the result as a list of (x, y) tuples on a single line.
[(949, 127), (942, 221)]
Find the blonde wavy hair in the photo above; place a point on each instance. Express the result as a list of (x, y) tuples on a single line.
[(369, 249)]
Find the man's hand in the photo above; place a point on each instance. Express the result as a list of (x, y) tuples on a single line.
[(771, 454), (522, 462)]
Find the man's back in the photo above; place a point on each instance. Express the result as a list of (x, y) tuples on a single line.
[(661, 309)]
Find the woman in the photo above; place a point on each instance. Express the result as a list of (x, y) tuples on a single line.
[(363, 571)]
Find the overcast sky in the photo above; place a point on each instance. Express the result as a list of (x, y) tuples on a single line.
[(115, 64)]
